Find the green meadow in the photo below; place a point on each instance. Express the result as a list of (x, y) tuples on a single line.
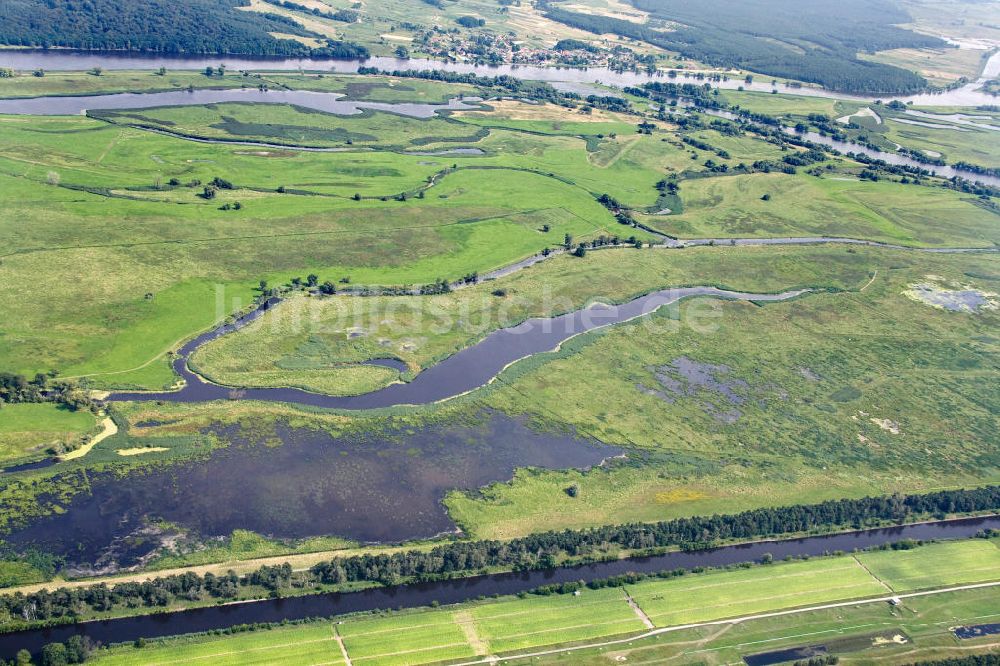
[(508, 626), (691, 599), (838, 205), (744, 405), (370, 89), (860, 633), (169, 263), (314, 342), (944, 564), (26, 430)]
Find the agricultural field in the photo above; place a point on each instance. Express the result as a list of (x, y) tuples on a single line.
[(530, 622), (298, 644), (692, 599), (945, 564), (861, 632), (407, 639), (941, 67), (508, 626)]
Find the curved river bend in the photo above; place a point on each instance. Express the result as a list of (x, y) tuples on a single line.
[(455, 591), (467, 370)]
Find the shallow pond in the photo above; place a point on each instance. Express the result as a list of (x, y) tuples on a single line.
[(295, 483)]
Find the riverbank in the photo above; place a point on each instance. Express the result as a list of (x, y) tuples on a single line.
[(454, 591), (63, 60)]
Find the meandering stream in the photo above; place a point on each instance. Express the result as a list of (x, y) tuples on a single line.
[(460, 373)]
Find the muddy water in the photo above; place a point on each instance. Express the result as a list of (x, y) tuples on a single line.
[(297, 483)]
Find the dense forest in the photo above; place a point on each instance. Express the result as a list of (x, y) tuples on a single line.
[(806, 41), (160, 26), (467, 558)]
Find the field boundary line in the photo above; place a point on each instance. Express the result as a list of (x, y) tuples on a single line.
[(467, 624), (872, 574), (738, 620), (638, 610), (343, 648)]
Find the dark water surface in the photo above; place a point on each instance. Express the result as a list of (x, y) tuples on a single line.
[(454, 591), (297, 483)]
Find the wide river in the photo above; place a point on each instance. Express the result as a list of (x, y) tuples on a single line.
[(32, 59), (455, 591)]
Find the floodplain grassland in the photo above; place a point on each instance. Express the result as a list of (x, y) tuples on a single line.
[(788, 103), (802, 205), (197, 263), (313, 342), (189, 250), (353, 87), (940, 138), (714, 595), (944, 564), (741, 405), (27, 429), (507, 626), (295, 126)]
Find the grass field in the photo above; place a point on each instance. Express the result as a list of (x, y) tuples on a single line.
[(307, 341), (198, 263), (808, 206), (367, 88), (27, 429), (814, 387), (297, 644), (507, 626), (925, 622), (942, 564), (711, 596), (406, 639), (944, 139)]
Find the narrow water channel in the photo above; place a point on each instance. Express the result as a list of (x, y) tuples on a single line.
[(460, 373)]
